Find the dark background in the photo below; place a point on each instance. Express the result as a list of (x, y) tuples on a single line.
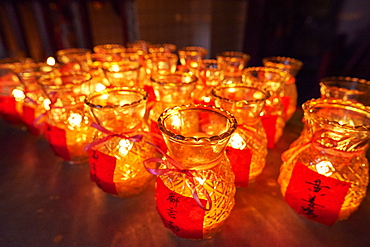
[(331, 37)]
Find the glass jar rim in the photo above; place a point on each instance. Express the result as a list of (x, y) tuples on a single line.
[(310, 106), (284, 61), (155, 78), (169, 111), (240, 86), (76, 51), (58, 74), (109, 48), (230, 54), (138, 91), (348, 79)]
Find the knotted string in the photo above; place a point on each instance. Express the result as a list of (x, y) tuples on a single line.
[(190, 174), (110, 135)]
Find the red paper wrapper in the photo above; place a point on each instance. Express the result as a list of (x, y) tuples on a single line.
[(8, 110), (29, 119), (151, 95), (159, 142), (180, 214), (58, 142), (315, 196), (240, 164), (285, 100), (102, 168), (269, 124)]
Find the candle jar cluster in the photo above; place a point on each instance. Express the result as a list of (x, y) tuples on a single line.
[(202, 126)]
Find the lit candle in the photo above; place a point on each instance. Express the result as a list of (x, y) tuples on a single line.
[(68, 128)]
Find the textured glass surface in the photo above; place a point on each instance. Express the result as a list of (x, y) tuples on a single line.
[(121, 110), (196, 137), (246, 104), (336, 144)]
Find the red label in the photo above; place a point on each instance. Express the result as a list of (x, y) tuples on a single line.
[(315, 196), (285, 100), (151, 94), (58, 142), (157, 140), (269, 124), (29, 119), (179, 213), (240, 164), (102, 168), (210, 102), (8, 109)]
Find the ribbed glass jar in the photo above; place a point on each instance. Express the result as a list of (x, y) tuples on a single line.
[(292, 66), (196, 136), (271, 80), (120, 141), (68, 128), (247, 148), (325, 178)]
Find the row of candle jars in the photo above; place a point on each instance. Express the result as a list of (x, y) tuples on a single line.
[(328, 137)]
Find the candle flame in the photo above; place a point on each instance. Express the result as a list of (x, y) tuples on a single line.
[(237, 142), (115, 68), (50, 61), (325, 168), (206, 99), (18, 94), (125, 147), (75, 120), (99, 87), (200, 180), (176, 121), (46, 103)]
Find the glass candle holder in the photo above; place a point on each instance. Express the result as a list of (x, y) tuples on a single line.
[(160, 48), (98, 80), (160, 63), (195, 189), (338, 87), (139, 44), (210, 76), (190, 58), (72, 59), (119, 147), (68, 128), (326, 178), (11, 95), (170, 90), (34, 101), (232, 63), (247, 148), (110, 52), (292, 66), (123, 74), (134, 54), (346, 88), (271, 80)]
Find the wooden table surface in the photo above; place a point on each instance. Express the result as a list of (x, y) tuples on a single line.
[(45, 202)]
